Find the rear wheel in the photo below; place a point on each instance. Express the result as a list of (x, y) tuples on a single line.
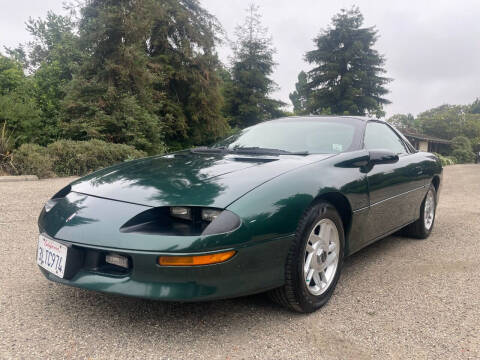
[(422, 228), (314, 261)]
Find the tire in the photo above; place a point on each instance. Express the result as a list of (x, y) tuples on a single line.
[(422, 228), (301, 292)]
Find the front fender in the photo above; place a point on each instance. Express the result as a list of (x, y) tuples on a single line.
[(275, 208)]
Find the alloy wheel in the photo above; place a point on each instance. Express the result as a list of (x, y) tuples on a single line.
[(429, 210), (321, 256)]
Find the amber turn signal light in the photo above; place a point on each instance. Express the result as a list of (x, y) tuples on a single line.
[(195, 260)]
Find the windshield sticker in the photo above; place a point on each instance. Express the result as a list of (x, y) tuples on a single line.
[(337, 147)]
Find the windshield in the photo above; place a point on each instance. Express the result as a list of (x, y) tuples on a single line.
[(296, 135)]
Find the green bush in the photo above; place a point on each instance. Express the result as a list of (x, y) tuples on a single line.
[(70, 158), (81, 157), (32, 159), (462, 150), (461, 142), (463, 156), (446, 160)]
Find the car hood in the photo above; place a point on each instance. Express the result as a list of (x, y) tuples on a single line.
[(186, 178)]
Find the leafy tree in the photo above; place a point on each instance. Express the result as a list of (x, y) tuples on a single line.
[(444, 121), (150, 74), (471, 126), (50, 58), (404, 121), (299, 97), (54, 41), (347, 74), (18, 111), (461, 142), (476, 145), (248, 98), (11, 75), (475, 107), (462, 149), (448, 121)]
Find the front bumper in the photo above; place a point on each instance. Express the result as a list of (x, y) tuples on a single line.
[(257, 267)]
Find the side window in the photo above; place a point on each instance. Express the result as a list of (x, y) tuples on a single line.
[(380, 136)]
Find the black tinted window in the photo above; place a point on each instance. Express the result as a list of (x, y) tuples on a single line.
[(380, 136)]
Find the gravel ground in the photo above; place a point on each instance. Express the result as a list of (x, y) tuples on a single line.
[(399, 298)]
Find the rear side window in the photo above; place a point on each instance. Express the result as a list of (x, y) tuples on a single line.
[(380, 136)]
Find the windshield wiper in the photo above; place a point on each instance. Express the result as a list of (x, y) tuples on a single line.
[(208, 150), (265, 151), (254, 150)]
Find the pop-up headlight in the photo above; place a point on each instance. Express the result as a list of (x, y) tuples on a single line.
[(183, 221), (181, 212), (210, 214)]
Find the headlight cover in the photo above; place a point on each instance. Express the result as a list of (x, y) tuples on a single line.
[(59, 195), (210, 214), (183, 221), (50, 204), (224, 222)]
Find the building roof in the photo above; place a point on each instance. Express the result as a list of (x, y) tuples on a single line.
[(429, 138)]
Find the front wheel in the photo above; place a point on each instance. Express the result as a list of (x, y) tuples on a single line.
[(314, 261), (422, 228)]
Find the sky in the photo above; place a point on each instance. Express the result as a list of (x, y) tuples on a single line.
[(432, 48)]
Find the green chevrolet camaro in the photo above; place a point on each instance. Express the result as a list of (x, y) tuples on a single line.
[(276, 207)]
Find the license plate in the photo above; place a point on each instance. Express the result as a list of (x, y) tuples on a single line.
[(51, 255)]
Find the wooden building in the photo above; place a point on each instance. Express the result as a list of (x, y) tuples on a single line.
[(428, 143)]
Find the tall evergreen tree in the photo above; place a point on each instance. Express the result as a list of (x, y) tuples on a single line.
[(347, 74), (299, 97), (181, 45), (111, 95), (248, 97), (226, 89), (149, 72)]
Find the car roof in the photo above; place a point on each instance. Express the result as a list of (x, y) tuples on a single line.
[(330, 117)]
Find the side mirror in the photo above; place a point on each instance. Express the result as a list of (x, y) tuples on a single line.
[(378, 157)]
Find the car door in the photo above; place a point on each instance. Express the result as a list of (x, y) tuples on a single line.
[(394, 189)]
